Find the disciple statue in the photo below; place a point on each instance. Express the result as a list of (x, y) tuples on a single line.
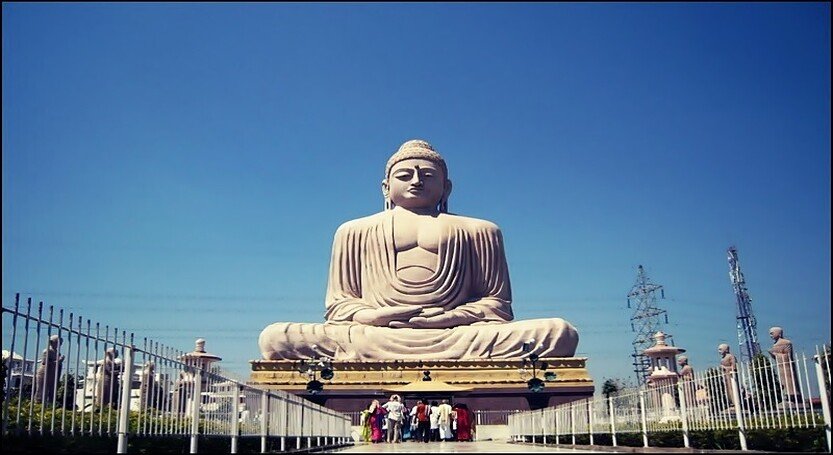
[(728, 366), (149, 392), (416, 282), (107, 387), (686, 374), (49, 371), (782, 353)]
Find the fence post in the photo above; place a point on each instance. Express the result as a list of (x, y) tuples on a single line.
[(644, 418), (739, 411), (10, 366), (283, 411), (590, 418), (264, 417), (195, 411), (235, 416), (612, 420), (573, 422), (532, 425), (557, 428), (124, 410), (825, 404), (681, 391)]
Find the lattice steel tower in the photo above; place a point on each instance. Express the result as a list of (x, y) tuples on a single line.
[(747, 326), (646, 321)]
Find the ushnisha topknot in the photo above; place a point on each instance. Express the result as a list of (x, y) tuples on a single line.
[(416, 148)]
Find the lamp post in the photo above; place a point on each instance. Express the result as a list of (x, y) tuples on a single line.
[(535, 384), (318, 367)]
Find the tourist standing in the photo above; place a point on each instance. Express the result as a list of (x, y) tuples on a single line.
[(444, 413), (465, 423), (414, 422), (377, 415), (365, 424), (394, 410), (405, 428), (434, 416), (423, 421)]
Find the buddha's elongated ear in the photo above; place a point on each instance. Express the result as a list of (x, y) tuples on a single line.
[(386, 194), (444, 199)]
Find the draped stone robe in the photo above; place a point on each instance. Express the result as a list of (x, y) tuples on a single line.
[(470, 282), (782, 352)]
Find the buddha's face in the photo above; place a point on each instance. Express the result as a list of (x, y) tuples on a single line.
[(415, 184)]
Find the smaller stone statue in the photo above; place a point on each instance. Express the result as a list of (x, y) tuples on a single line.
[(150, 392), (782, 353), (49, 371), (107, 387), (686, 374), (728, 365)]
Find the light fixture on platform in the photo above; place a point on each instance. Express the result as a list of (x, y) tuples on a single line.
[(321, 366), (535, 384)]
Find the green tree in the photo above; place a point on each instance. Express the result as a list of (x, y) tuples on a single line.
[(610, 386)]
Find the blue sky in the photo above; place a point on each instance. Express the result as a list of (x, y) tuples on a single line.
[(178, 170)]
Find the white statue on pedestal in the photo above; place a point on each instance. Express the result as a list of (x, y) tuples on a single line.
[(415, 282)]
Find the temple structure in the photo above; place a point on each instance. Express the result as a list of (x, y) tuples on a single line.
[(416, 288)]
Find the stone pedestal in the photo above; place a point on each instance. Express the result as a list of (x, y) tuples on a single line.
[(486, 384), (663, 378)]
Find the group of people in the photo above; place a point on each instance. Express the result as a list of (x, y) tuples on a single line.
[(394, 422)]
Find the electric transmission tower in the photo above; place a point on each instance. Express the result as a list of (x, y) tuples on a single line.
[(747, 326), (646, 321)]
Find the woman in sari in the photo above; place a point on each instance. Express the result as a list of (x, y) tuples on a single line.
[(377, 415), (365, 424), (465, 423)]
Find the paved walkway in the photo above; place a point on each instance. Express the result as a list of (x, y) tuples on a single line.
[(453, 447)]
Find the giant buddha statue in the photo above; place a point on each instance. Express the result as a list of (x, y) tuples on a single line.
[(415, 282)]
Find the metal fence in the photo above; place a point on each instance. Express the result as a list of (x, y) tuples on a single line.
[(764, 393), (74, 377)]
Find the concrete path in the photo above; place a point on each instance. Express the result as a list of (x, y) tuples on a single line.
[(453, 447)]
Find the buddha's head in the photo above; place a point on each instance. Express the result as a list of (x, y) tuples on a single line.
[(723, 349), (416, 178), (776, 333), (682, 360)]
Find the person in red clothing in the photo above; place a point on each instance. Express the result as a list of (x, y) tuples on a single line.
[(423, 411), (465, 423)]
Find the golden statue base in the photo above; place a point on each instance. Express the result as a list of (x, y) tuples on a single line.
[(482, 384)]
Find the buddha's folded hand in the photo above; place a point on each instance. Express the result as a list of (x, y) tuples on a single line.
[(383, 316), (440, 321)]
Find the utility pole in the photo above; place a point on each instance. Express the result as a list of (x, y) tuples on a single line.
[(747, 325), (646, 321)]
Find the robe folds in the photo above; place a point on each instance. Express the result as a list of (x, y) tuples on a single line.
[(470, 284)]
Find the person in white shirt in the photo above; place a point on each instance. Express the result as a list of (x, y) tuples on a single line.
[(394, 408), (444, 412), (434, 416), (414, 423)]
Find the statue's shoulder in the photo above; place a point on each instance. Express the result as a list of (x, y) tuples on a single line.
[(361, 224), (472, 224)]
